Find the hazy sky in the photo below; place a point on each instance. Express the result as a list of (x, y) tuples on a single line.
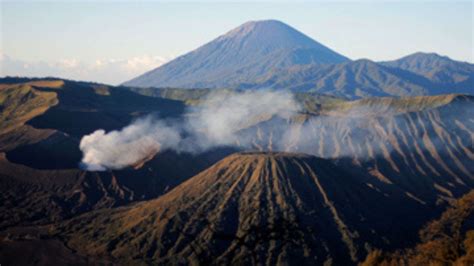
[(114, 41)]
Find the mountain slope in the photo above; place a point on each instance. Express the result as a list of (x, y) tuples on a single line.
[(268, 208), (407, 142), (244, 53)]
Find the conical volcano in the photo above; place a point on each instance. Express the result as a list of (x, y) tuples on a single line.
[(244, 53), (268, 208)]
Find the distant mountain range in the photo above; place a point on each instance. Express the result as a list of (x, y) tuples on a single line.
[(271, 54)]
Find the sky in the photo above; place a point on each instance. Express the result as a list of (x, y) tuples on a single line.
[(112, 42)]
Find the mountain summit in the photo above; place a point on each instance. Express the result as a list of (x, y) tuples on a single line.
[(243, 54)]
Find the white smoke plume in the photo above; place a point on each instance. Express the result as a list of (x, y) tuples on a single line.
[(119, 149), (213, 123), (224, 114), (273, 121)]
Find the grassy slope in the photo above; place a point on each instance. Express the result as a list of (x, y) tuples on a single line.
[(21, 103)]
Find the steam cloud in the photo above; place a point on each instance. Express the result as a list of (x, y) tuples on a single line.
[(213, 123), (119, 149), (274, 121)]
